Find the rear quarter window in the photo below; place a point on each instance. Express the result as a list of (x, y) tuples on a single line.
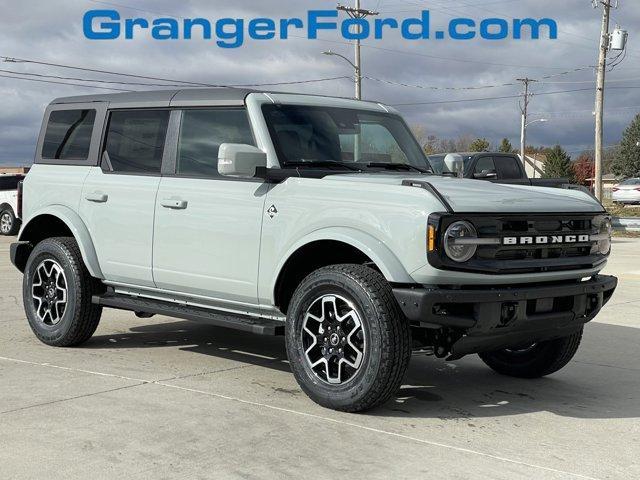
[(68, 135)]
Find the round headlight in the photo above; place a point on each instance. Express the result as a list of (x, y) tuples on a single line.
[(456, 250), (604, 245)]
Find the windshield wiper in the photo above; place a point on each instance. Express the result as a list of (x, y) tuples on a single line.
[(322, 163), (396, 166)]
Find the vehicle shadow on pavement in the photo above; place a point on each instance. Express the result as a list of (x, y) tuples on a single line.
[(194, 337), (599, 383)]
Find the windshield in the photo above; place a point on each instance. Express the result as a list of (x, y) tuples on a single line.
[(326, 135)]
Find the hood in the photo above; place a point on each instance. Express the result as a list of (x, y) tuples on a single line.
[(478, 196)]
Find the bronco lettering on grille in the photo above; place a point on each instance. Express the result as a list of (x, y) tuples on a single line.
[(546, 239)]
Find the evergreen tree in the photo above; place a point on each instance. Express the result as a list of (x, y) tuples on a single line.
[(627, 162), (558, 164), (506, 146), (480, 145)]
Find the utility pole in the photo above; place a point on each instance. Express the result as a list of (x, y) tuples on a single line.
[(358, 13), (524, 108), (602, 67)]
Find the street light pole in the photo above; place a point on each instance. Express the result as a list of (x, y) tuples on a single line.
[(524, 108), (535, 160)]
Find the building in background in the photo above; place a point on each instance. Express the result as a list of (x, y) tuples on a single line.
[(15, 170), (534, 165)]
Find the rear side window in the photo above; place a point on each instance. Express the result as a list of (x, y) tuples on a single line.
[(68, 135), (201, 134), (135, 141), (508, 168)]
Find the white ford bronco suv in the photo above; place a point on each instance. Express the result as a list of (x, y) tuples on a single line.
[(312, 217)]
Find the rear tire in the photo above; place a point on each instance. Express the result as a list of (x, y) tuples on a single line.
[(536, 361), (9, 224), (57, 290), (345, 320)]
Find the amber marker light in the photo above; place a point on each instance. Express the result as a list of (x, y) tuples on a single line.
[(431, 238)]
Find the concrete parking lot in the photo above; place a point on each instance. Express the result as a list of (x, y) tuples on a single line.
[(163, 398)]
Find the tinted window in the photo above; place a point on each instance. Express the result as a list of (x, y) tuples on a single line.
[(306, 134), (10, 182), (68, 135), (135, 141), (484, 164), (202, 132), (508, 168)]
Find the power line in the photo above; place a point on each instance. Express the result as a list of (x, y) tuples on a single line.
[(429, 87), (505, 97), (178, 83), (476, 87), (65, 83)]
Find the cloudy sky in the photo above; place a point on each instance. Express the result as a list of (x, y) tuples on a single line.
[(51, 31)]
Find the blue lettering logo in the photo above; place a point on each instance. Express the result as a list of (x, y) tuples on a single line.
[(232, 32)]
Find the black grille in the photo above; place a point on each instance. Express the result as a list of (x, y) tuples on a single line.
[(501, 259)]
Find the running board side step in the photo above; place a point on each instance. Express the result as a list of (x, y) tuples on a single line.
[(260, 326)]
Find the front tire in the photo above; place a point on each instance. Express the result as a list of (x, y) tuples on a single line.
[(348, 343), (57, 291), (9, 224), (534, 361)]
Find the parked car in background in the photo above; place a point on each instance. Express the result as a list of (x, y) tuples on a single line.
[(627, 192), (10, 204), (494, 167)]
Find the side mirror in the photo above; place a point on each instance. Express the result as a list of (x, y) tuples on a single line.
[(455, 164), (485, 174), (239, 160)]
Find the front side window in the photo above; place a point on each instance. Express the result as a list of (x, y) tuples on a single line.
[(201, 134), (135, 141), (308, 134), (68, 135)]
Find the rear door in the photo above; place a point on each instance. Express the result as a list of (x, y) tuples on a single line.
[(118, 199), (207, 227)]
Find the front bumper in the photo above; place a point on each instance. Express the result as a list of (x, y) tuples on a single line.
[(501, 317)]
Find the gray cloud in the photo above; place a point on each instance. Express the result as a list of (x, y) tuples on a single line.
[(52, 31)]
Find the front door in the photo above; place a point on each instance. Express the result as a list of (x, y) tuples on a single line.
[(207, 227), (118, 198)]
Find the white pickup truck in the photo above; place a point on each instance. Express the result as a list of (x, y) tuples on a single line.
[(9, 204)]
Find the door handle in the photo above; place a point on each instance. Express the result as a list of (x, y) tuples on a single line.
[(97, 197), (174, 203)]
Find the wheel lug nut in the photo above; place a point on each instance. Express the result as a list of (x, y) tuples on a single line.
[(331, 350)]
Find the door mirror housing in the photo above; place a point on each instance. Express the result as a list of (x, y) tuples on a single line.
[(455, 164), (239, 160)]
